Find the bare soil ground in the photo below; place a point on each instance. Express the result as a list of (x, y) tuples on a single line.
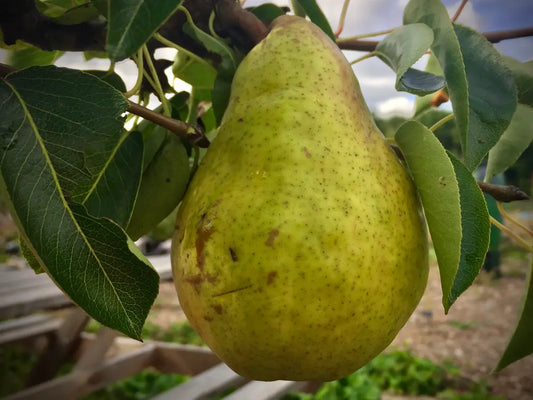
[(472, 336)]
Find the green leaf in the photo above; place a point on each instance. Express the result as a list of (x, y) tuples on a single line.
[(435, 180), (78, 14), (523, 76), (419, 82), (31, 56), (400, 49), (520, 344), (114, 195), (454, 206), (447, 50), (63, 133), (423, 103), (315, 14), (220, 97), (199, 74), (101, 6), (54, 8), (297, 9), (491, 96), (132, 22), (512, 143), (475, 226), (267, 12), (32, 261), (110, 77), (79, 117), (226, 68)]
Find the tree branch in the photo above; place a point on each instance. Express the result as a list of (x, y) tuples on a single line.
[(503, 193), (185, 131), (239, 23), (493, 37)]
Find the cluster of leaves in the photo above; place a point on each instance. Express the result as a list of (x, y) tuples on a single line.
[(71, 172), (398, 372)]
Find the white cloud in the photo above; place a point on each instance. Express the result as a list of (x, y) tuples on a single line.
[(399, 105)]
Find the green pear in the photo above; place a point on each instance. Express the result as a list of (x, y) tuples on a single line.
[(163, 183), (300, 247)]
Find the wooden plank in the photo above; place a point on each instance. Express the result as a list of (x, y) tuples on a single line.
[(62, 344), (205, 385), (58, 389), (265, 390), (26, 302), (183, 359), (22, 322), (84, 380), (29, 331), (95, 352), (118, 368), (10, 274), (24, 282)]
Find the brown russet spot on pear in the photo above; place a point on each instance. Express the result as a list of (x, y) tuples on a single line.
[(318, 242)]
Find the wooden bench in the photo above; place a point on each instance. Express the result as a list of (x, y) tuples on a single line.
[(23, 295)]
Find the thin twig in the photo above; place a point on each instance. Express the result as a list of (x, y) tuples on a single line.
[(504, 193), (368, 55), (511, 234), (508, 217), (441, 122), (139, 61), (158, 88), (342, 18), (364, 35), (459, 10), (493, 37), (180, 128)]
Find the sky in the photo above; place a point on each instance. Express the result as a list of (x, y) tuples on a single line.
[(366, 16)]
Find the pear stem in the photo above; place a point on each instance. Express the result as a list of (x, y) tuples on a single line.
[(342, 18), (511, 234), (438, 124), (371, 54)]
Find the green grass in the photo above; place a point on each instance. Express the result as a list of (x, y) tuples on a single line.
[(398, 372), (15, 366), (142, 386)]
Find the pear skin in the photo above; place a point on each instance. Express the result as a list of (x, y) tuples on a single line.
[(300, 248)]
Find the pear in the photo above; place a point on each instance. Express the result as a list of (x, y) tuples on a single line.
[(300, 247), (163, 183)]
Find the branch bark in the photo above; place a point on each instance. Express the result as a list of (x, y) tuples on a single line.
[(503, 193), (22, 20), (185, 131), (493, 37)]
